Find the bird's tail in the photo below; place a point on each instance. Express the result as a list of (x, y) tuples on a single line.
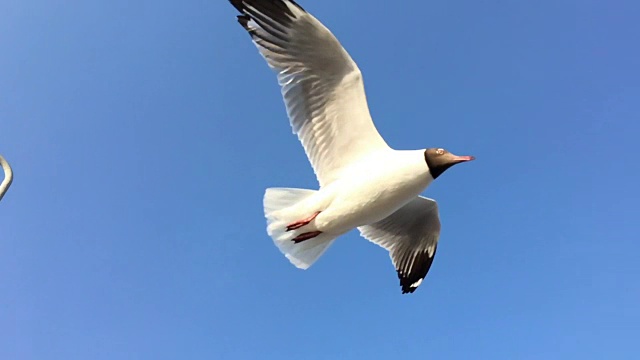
[(280, 210)]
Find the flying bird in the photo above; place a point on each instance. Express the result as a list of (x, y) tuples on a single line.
[(364, 183)]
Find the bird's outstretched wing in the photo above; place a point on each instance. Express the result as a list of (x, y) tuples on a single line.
[(411, 236), (321, 85)]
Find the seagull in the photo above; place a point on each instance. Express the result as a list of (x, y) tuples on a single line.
[(363, 183)]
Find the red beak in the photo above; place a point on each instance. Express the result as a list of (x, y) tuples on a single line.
[(464, 158)]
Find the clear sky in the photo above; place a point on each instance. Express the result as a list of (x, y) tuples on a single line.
[(143, 134)]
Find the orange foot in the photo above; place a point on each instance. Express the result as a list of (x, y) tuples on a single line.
[(300, 223), (306, 236)]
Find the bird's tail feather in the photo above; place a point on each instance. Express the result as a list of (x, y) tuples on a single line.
[(279, 209)]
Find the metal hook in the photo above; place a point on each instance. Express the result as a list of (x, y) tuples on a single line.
[(8, 176)]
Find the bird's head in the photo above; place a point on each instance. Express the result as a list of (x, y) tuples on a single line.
[(438, 160)]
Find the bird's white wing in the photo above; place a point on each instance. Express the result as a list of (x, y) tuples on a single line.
[(411, 236), (321, 85)]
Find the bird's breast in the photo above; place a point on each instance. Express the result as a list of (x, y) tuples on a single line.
[(366, 196)]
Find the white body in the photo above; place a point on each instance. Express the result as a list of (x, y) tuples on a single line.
[(366, 192)]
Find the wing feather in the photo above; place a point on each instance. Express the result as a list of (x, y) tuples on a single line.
[(411, 236), (321, 85)]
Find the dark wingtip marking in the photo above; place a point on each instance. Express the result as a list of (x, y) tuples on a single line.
[(273, 10), (406, 283), (237, 4), (268, 5), (421, 265), (406, 289), (244, 21)]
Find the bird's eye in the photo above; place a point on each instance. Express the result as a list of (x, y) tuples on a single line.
[(440, 151)]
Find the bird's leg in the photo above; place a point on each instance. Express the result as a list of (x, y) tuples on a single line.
[(306, 236), (300, 223)]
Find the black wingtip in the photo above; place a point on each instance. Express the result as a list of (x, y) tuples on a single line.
[(407, 286), (422, 262), (265, 12), (268, 4), (244, 21), (237, 4)]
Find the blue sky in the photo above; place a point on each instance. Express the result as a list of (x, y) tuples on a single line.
[(143, 134)]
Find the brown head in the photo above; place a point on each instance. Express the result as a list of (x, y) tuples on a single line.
[(438, 160)]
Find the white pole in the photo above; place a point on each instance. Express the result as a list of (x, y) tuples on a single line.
[(8, 176)]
